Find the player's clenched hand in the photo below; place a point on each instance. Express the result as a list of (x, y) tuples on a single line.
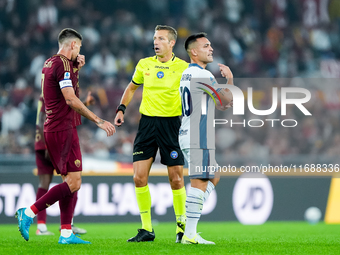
[(107, 127), (226, 72), (119, 120), (81, 61)]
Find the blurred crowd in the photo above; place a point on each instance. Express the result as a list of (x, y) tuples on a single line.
[(256, 39)]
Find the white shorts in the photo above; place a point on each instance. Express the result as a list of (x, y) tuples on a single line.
[(201, 163)]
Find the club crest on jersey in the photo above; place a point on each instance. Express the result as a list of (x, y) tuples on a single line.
[(77, 163), (67, 76), (174, 154), (160, 75)]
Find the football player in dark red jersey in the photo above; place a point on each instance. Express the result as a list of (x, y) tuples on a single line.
[(60, 91), (46, 169)]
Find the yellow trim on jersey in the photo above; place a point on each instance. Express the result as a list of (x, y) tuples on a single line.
[(161, 95), (66, 64)]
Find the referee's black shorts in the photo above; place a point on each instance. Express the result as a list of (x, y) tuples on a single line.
[(162, 133)]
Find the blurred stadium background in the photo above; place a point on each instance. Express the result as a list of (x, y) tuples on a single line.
[(266, 43)]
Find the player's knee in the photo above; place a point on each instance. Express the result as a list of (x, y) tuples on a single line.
[(176, 182), (74, 184), (140, 181), (78, 185), (75, 187)]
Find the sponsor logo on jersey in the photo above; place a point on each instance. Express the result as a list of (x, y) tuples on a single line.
[(137, 153), (174, 154), (213, 82), (148, 74), (183, 132), (67, 76), (77, 162), (160, 75), (162, 67), (186, 77)]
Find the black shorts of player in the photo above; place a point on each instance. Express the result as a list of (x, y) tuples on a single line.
[(162, 133)]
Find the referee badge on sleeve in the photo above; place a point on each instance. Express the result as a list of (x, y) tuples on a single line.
[(174, 154)]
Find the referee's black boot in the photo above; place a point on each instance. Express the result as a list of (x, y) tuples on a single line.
[(180, 230), (143, 236), (179, 237)]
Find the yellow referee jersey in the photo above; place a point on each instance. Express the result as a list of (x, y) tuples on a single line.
[(161, 86)]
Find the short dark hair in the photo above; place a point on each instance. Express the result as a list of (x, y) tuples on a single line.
[(171, 30), (193, 38), (67, 33)]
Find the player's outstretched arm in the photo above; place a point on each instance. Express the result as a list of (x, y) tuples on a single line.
[(74, 102), (126, 99), (106, 126)]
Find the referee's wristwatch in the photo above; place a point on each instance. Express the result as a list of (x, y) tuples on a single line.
[(121, 108)]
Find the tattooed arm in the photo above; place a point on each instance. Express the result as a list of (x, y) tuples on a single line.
[(74, 102)]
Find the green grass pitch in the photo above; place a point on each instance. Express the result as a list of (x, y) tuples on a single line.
[(230, 237)]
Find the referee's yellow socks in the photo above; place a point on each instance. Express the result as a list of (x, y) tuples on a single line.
[(144, 203), (179, 197)]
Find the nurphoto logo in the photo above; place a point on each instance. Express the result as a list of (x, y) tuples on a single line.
[(286, 94)]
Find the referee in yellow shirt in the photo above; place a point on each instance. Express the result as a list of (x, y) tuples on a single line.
[(158, 127)]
